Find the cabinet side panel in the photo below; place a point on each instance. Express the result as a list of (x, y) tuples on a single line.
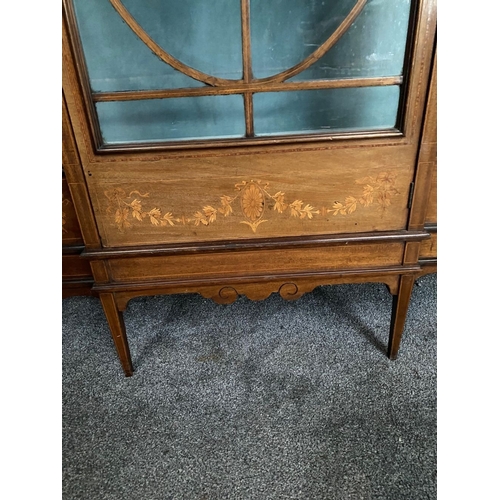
[(426, 178), (428, 152), (71, 234), (76, 183), (431, 214)]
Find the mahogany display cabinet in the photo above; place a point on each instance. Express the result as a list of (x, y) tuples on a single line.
[(249, 147)]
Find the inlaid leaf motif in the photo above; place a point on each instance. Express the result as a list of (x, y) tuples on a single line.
[(121, 218), (280, 204), (350, 204), (391, 191), (337, 207), (155, 216), (168, 218), (384, 199), (366, 180), (296, 207), (308, 212), (200, 218), (386, 178), (210, 213), (136, 209), (367, 199)]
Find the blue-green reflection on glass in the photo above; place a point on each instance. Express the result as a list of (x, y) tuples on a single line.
[(204, 35), (284, 32), (325, 111), (156, 120), (207, 37)]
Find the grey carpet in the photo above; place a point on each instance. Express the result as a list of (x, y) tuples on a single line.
[(254, 400)]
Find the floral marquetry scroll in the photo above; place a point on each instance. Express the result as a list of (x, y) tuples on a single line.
[(253, 202)]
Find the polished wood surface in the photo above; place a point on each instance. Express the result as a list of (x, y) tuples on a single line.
[(77, 276), (260, 262), (428, 248), (401, 301), (226, 291), (117, 327), (428, 149), (258, 215), (238, 196), (428, 160), (71, 234)]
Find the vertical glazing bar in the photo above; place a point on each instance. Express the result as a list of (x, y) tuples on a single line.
[(249, 131), (245, 40), (247, 64)]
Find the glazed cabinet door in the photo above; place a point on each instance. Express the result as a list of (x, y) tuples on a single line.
[(234, 120)]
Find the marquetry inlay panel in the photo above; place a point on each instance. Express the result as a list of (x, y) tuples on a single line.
[(226, 197)]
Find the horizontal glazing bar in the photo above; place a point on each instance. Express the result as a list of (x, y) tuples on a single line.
[(137, 95)]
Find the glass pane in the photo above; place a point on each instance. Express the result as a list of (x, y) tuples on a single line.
[(206, 36), (203, 35), (374, 45), (153, 120), (284, 32), (332, 110)]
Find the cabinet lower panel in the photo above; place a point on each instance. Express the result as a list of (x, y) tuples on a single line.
[(229, 196), (257, 262)]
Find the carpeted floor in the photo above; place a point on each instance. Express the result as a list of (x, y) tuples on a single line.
[(254, 400)]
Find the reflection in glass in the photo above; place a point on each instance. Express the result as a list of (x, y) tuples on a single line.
[(210, 117), (203, 35), (284, 32), (373, 46), (324, 111), (206, 36), (116, 59)]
